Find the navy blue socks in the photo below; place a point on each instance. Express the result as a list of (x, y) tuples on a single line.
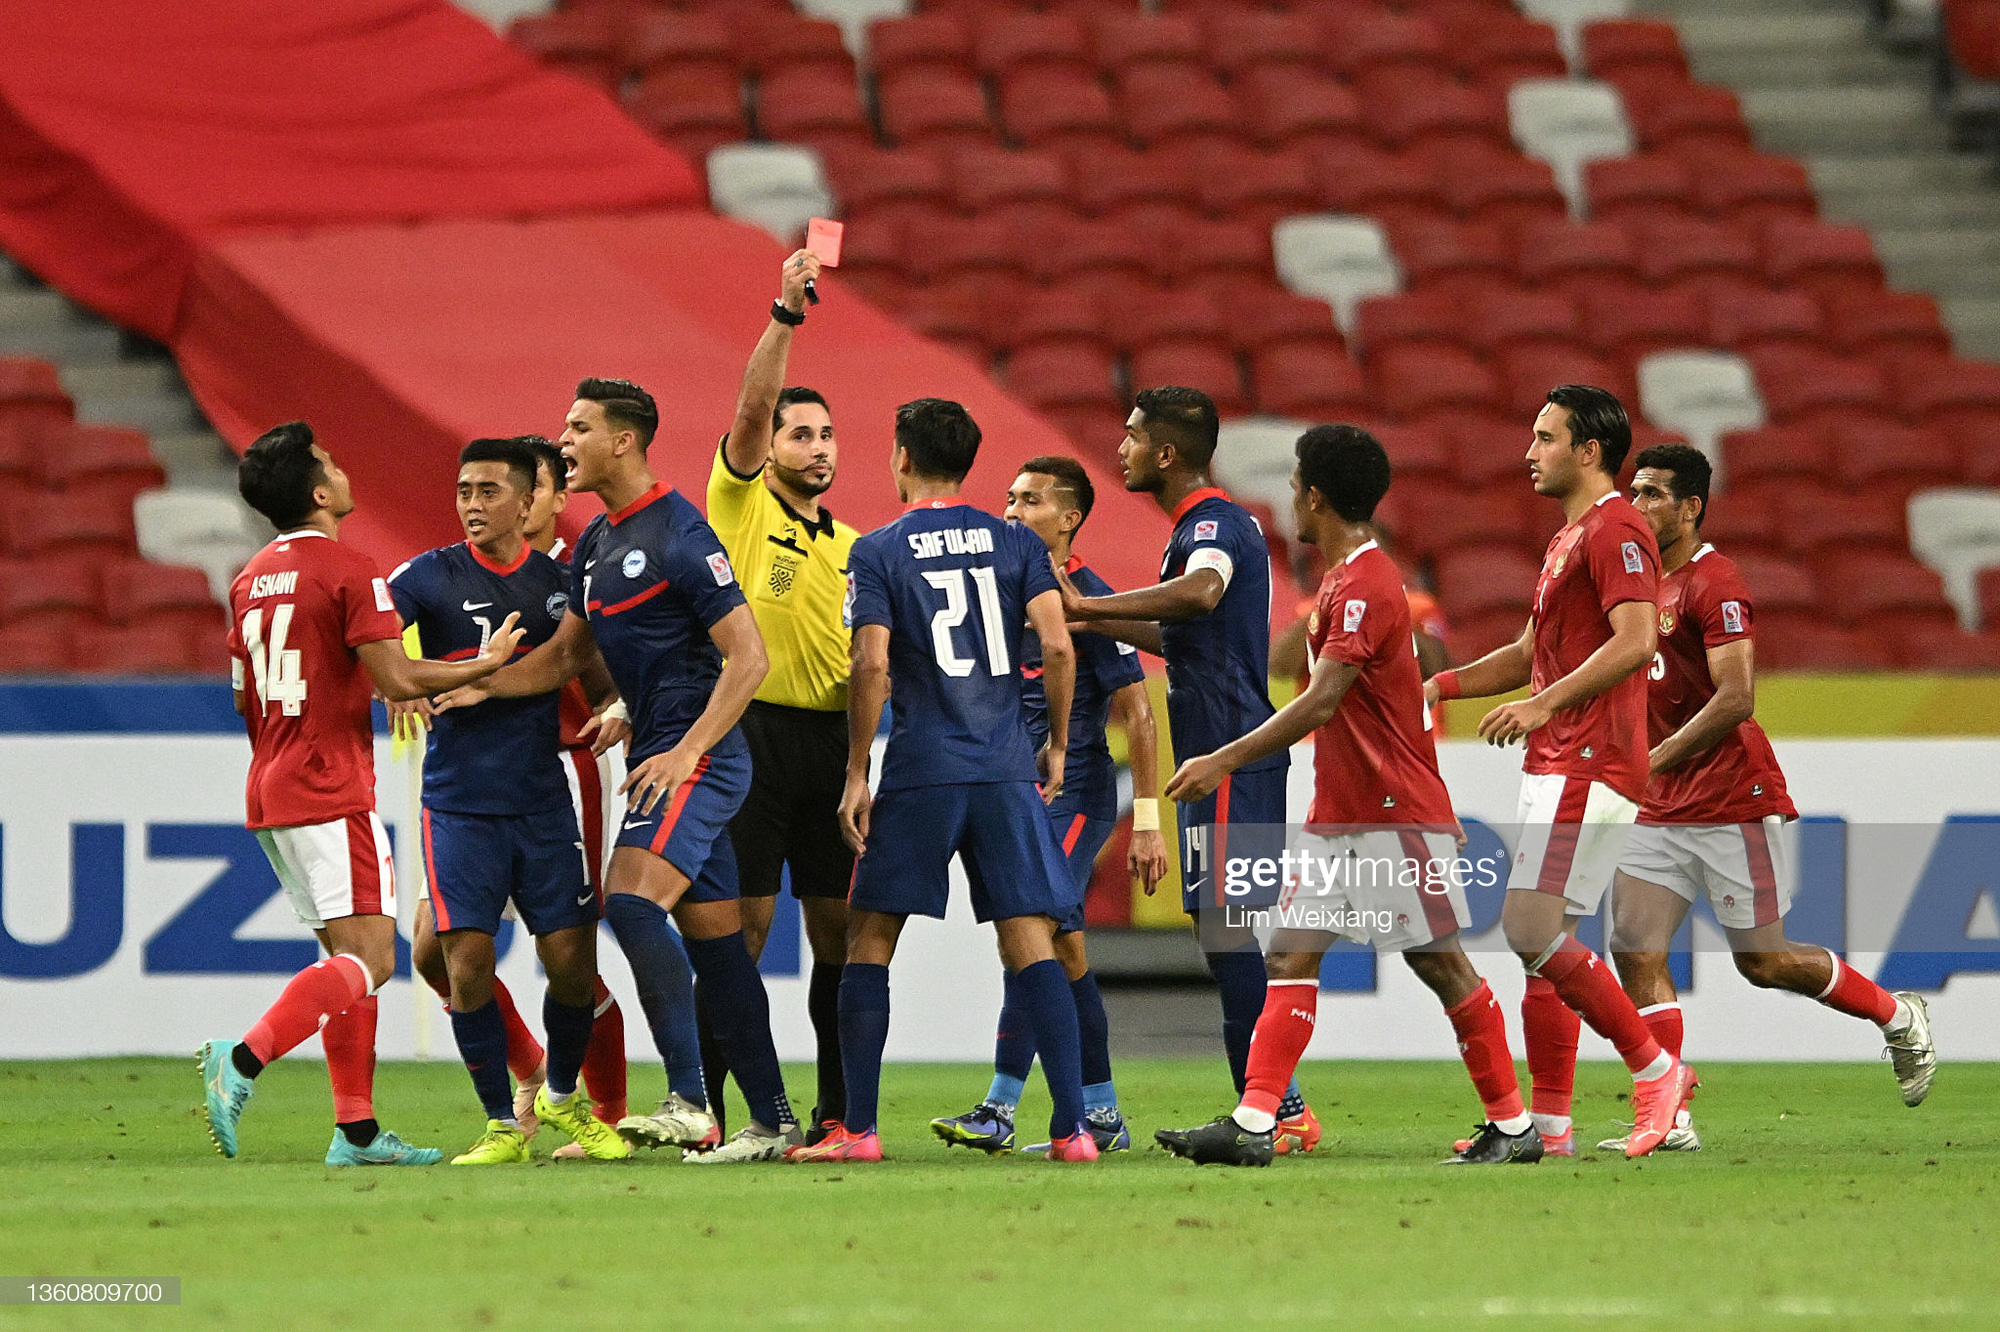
[(823, 1006), (1045, 996), (1239, 976), (864, 1030), (666, 987), (739, 1012), (482, 1044), (568, 1028)]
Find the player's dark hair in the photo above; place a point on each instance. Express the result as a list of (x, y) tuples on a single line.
[(278, 473), (1183, 417), (792, 397), (1347, 466), (940, 436), (1069, 478), (1596, 413), (549, 455), (1688, 472), (515, 451), (626, 407)]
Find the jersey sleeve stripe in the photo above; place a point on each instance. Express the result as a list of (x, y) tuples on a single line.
[(620, 607)]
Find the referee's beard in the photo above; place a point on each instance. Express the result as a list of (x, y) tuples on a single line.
[(803, 483)]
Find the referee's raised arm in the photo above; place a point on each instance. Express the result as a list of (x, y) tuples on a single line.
[(749, 441)]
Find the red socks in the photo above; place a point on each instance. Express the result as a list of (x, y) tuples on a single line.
[(604, 1058), (1664, 1021), (1854, 994), (314, 996), (349, 1038), (1482, 1043), (524, 1052), (1550, 1028), (1284, 1029), (1588, 986)]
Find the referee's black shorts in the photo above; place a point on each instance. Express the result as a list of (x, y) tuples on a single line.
[(792, 814)]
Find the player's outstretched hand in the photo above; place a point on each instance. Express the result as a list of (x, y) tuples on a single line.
[(1049, 763), (465, 696), (1432, 692), (657, 778), (1513, 721), (1072, 600), (1146, 860), (1196, 779), (855, 804), (499, 649), (800, 269), (609, 726), (409, 718)]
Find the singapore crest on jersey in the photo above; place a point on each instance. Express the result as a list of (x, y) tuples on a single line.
[(635, 563), (557, 603)]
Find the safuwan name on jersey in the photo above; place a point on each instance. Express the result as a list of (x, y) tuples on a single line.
[(951, 541)]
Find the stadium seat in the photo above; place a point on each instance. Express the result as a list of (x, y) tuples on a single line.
[(1172, 317), (1743, 320), (855, 17), (1641, 186), (1282, 107), (1415, 378), (1105, 260), (1160, 105), (1573, 258), (584, 42), (1062, 376), (773, 185), (1902, 459), (1210, 369), (1529, 372), (1876, 588), (1568, 18), (1777, 585), (1741, 522), (1297, 379), (1483, 181), (1956, 531), (813, 105), (1461, 257), (1127, 39), (31, 393), (986, 179), (1515, 317), (1622, 45), (928, 109), (1058, 108), (1250, 186), (922, 41), (1811, 518), (695, 109), (1240, 41), (1261, 317), (1773, 454), (141, 592), (1487, 447), (1356, 178), (82, 458), (1812, 386), (1483, 581), (1690, 117), (1903, 325), (1339, 259), (1932, 647), (1491, 518), (1950, 394), (1820, 257), (59, 593), (768, 40), (35, 650), (1672, 250), (880, 186), (1418, 454), (215, 533), (1214, 253), (1406, 108), (1752, 187), (1803, 642), (1631, 325), (1699, 395), (143, 649), (1371, 40), (1411, 316), (953, 315), (57, 522), (1566, 123), (872, 260), (1058, 315), (1498, 49), (654, 39), (1117, 181), (1008, 39), (993, 245)]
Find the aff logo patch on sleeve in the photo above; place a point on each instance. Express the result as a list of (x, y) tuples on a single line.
[(1205, 530), (383, 601), (1732, 617), (1634, 561), (1350, 618), (847, 604), (718, 564)]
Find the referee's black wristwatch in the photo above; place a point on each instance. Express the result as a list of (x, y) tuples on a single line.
[(784, 316)]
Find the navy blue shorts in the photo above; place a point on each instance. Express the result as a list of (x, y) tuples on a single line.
[(1247, 800), (1081, 838), (476, 862), (690, 830), (999, 830)]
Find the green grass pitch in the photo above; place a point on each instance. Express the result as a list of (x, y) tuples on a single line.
[(1819, 1200)]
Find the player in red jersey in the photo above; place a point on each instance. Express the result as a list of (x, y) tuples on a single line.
[(312, 633), (1716, 818), (1590, 633), (1378, 802)]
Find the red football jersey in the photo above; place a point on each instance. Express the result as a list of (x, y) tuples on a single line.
[(296, 613), (1605, 557), (1374, 762), (1704, 604)]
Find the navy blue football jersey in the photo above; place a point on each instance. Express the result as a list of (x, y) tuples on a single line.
[(1218, 665), (653, 580), (1103, 667), (500, 757), (952, 585)]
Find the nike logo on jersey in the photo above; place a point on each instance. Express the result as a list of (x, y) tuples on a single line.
[(630, 824), (590, 564), (476, 605), (584, 900)]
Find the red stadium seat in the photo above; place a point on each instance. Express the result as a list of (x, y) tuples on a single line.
[(1296, 379), (1776, 585), (1460, 257), (1640, 186), (770, 40), (1128, 39), (1638, 324), (1979, 451), (1695, 116), (932, 108), (1518, 317), (1356, 178), (1672, 250), (1468, 518), (813, 104), (676, 39), (1809, 386), (1569, 258), (1813, 517), (1404, 108), (1105, 260), (953, 315), (1242, 40), (1283, 107), (1612, 46), (1779, 454), (61, 593), (1122, 182), (111, 459), (924, 41), (1250, 186), (35, 650), (1057, 315), (994, 243), (1172, 318), (1752, 187), (54, 522), (1902, 324), (1358, 41), (1820, 257), (1928, 647), (1802, 642), (1486, 581), (1213, 371), (1062, 376), (1160, 105), (1494, 184), (695, 109), (1486, 448), (1741, 522), (1411, 316), (877, 186), (1418, 454), (1498, 49), (1902, 459), (1007, 40), (1867, 587), (31, 393), (1261, 317), (1989, 596), (141, 592), (1416, 378), (1948, 394), (583, 42), (1530, 371), (1743, 319), (985, 178), (1212, 246), (1058, 108), (146, 649)]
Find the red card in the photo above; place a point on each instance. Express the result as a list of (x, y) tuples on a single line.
[(823, 239)]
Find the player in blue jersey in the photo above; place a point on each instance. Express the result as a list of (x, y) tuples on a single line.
[(497, 820), (936, 601), (1051, 498), (1210, 617), (654, 593)]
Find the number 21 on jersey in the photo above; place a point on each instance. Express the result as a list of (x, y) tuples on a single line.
[(278, 672), (951, 582)]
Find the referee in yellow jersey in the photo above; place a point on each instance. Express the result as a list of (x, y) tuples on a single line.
[(790, 555)]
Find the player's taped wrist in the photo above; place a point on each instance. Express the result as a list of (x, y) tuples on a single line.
[(1145, 814), (616, 712), (1447, 683)]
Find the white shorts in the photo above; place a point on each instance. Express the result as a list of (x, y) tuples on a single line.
[(593, 788), (333, 870), (1748, 871), (1572, 836), (1390, 889)]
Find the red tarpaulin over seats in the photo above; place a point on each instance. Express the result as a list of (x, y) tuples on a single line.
[(400, 342)]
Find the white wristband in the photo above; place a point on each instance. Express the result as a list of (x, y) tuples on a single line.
[(1145, 814), (616, 712)]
